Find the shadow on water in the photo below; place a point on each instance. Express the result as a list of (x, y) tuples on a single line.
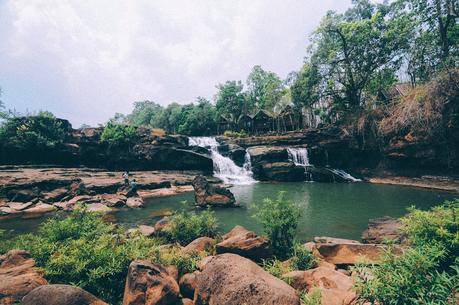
[(340, 210)]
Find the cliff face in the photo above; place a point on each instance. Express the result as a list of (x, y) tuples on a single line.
[(82, 147)]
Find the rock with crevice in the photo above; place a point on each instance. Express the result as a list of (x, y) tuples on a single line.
[(134, 202), (60, 295), (231, 279), (208, 194), (148, 283), (245, 243), (383, 229), (40, 208), (18, 276), (188, 284)]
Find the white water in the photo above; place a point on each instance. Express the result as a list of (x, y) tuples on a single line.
[(224, 167), (299, 156)]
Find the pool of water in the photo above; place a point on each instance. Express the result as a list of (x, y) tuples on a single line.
[(339, 210)]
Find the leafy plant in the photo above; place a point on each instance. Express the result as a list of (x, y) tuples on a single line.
[(315, 298), (235, 134), (302, 258), (280, 219), (119, 134), (184, 227)]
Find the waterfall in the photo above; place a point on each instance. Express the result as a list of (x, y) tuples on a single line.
[(224, 167), (299, 156), (343, 174)]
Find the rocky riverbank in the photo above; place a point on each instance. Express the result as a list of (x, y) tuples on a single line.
[(230, 275)]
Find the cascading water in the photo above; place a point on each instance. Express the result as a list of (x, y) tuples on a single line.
[(299, 156), (344, 175), (224, 167)]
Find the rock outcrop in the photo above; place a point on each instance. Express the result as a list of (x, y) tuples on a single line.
[(233, 280), (383, 229), (60, 295), (345, 252), (150, 284), (207, 194), (199, 245), (18, 276), (334, 287), (245, 243), (188, 284)]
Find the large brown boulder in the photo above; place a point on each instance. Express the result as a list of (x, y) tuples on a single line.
[(199, 245), (233, 280), (383, 229), (335, 287), (150, 284), (346, 252), (207, 194), (245, 243), (188, 284), (18, 276), (60, 295)]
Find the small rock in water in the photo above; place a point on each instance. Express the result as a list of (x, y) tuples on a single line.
[(134, 202)]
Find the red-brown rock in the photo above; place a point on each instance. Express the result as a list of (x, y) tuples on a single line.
[(188, 284), (60, 295), (245, 243), (150, 284), (207, 194), (199, 245), (233, 280), (18, 276)]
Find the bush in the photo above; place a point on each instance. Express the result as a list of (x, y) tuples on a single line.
[(119, 134), (280, 220), (427, 273), (184, 227), (235, 134), (303, 259), (82, 250)]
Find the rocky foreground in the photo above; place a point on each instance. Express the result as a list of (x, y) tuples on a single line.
[(230, 276)]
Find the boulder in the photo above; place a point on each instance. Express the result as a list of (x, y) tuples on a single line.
[(60, 295), (5, 211), (134, 202), (161, 225), (98, 207), (18, 276), (80, 198), (346, 252), (280, 171), (187, 302), (383, 229), (146, 230), (199, 245), (20, 206), (335, 287), (55, 195), (40, 209), (188, 284), (233, 280), (245, 243), (150, 284), (207, 194), (268, 154), (114, 200)]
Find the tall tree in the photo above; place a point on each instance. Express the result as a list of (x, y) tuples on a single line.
[(264, 89), (144, 113), (230, 100)]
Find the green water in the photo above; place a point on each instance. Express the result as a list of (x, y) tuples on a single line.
[(339, 210)]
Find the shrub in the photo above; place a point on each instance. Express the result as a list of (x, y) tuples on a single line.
[(302, 258), (315, 298), (235, 134), (184, 227), (119, 134), (427, 273), (279, 218), (278, 268)]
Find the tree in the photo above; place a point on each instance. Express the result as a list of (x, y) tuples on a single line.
[(144, 113), (264, 89), (230, 100), (200, 120), (351, 50)]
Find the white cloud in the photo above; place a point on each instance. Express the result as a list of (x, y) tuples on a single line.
[(102, 55)]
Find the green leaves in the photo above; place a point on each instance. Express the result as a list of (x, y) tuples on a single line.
[(119, 134)]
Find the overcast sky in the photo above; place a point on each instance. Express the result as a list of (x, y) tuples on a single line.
[(85, 60)]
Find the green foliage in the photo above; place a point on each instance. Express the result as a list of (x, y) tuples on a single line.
[(235, 134), (264, 89), (438, 227), (280, 219), (230, 99), (184, 227), (278, 268), (427, 273), (83, 250), (39, 132), (119, 134), (303, 259), (315, 298)]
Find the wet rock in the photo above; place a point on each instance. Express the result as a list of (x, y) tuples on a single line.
[(150, 284), (18, 276), (233, 280), (113, 200), (281, 171), (188, 284), (245, 243), (207, 194), (41, 209), (134, 202), (383, 229), (5, 211), (63, 205), (335, 287), (268, 154), (24, 195), (55, 195), (199, 245), (80, 199), (60, 295), (19, 206)]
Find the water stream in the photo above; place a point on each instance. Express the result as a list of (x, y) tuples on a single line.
[(224, 167)]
